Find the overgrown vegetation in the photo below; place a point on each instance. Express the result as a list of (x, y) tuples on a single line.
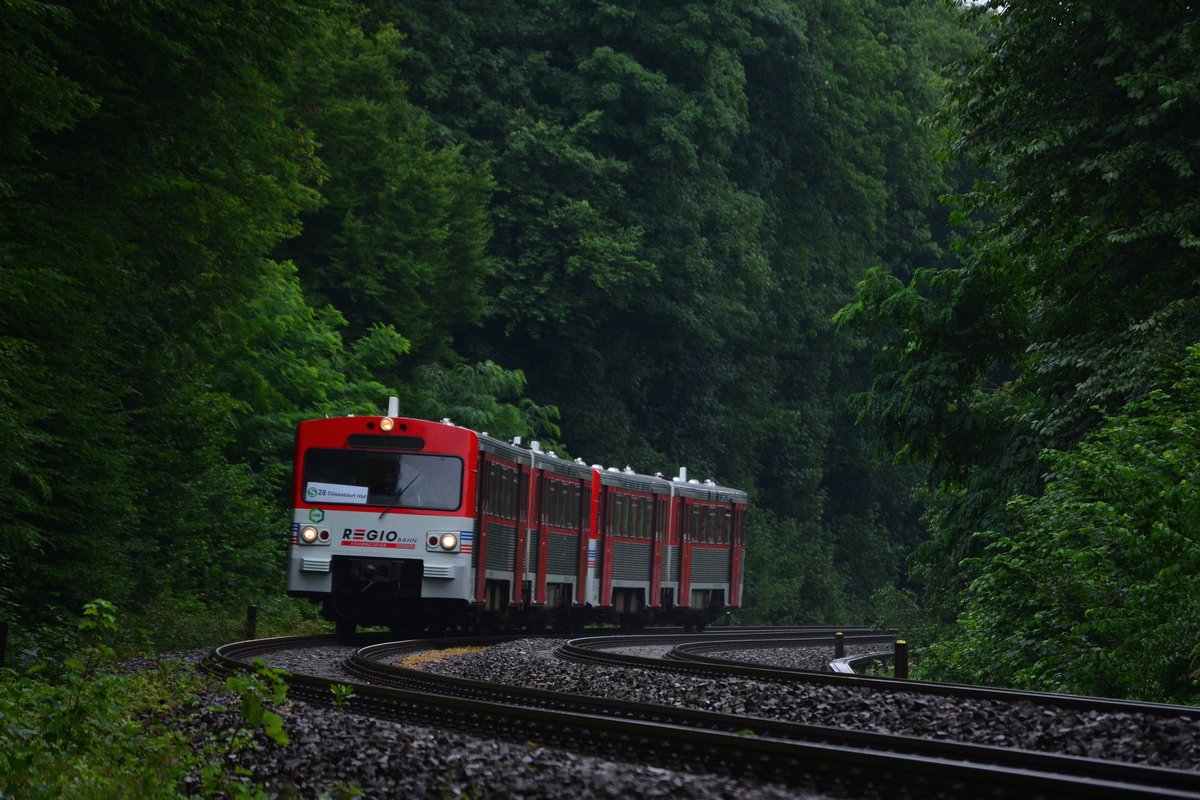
[(1047, 381), (80, 723)]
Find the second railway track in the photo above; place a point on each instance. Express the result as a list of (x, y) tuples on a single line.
[(798, 755)]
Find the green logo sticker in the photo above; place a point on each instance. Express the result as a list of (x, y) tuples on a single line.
[(316, 515)]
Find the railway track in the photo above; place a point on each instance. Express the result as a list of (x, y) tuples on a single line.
[(793, 754), (694, 657)]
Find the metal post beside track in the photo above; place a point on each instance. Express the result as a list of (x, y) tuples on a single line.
[(900, 659), (839, 645), (251, 621)]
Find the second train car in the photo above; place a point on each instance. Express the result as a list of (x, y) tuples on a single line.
[(420, 525)]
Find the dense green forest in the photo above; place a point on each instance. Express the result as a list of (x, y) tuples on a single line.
[(1049, 381), (775, 242)]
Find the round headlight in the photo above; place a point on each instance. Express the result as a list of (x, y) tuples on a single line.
[(449, 541), (308, 534), (386, 424)]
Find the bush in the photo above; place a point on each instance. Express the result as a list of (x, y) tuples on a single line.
[(1096, 590), (89, 726)]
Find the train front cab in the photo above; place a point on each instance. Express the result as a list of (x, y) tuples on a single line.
[(383, 521)]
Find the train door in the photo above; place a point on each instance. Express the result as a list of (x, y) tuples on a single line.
[(684, 525)]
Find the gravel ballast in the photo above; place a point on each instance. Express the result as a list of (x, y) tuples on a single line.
[(331, 751), (331, 748), (1158, 741)]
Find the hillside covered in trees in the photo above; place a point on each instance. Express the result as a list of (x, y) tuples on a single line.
[(708, 234)]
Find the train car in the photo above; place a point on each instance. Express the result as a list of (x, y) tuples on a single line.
[(419, 525)]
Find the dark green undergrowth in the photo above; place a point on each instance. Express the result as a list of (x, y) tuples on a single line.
[(80, 719)]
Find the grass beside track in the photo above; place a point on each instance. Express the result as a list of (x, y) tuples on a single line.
[(419, 660)]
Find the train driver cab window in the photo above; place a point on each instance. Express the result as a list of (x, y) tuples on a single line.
[(392, 480)]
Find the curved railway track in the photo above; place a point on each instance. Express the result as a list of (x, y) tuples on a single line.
[(775, 751), (693, 658)]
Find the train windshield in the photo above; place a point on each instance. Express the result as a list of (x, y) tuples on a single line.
[(391, 480)]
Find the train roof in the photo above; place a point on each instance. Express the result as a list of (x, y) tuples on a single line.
[(531, 453), (626, 478)]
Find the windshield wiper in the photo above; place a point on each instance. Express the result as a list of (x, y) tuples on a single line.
[(396, 502)]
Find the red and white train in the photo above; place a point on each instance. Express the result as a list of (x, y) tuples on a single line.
[(426, 525)]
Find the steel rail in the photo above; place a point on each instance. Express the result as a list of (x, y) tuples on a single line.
[(592, 650), (371, 663), (740, 753)]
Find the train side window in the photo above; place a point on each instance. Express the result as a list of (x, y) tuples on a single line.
[(510, 493), (505, 493), (497, 489), (493, 488)]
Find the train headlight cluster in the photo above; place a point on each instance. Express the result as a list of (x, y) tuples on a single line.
[(386, 424), (447, 541), (311, 534)]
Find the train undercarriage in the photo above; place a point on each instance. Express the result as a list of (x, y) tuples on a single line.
[(388, 593)]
